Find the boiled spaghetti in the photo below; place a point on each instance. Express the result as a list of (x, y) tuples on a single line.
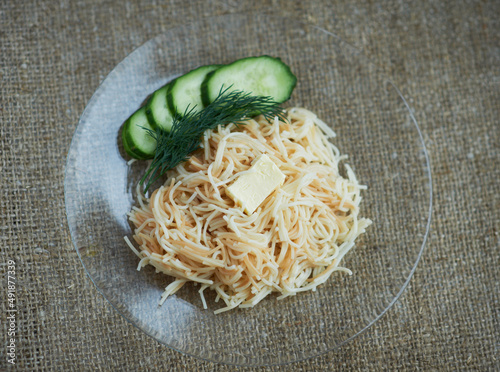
[(191, 230)]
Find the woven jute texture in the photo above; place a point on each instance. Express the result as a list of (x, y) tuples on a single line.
[(444, 56)]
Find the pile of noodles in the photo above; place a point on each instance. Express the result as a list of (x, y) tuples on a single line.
[(191, 230)]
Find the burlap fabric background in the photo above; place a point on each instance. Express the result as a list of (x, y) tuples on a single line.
[(444, 55)]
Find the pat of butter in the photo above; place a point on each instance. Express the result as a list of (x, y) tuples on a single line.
[(252, 188)]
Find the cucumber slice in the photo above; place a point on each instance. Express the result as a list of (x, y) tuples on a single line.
[(260, 76), (157, 109), (185, 91), (136, 140), (128, 148)]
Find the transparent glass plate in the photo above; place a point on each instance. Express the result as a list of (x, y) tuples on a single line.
[(374, 126)]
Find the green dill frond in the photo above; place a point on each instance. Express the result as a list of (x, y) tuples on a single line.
[(187, 130)]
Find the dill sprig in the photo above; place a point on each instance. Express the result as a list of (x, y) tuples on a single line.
[(185, 134)]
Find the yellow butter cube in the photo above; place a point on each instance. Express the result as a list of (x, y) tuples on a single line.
[(252, 188)]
